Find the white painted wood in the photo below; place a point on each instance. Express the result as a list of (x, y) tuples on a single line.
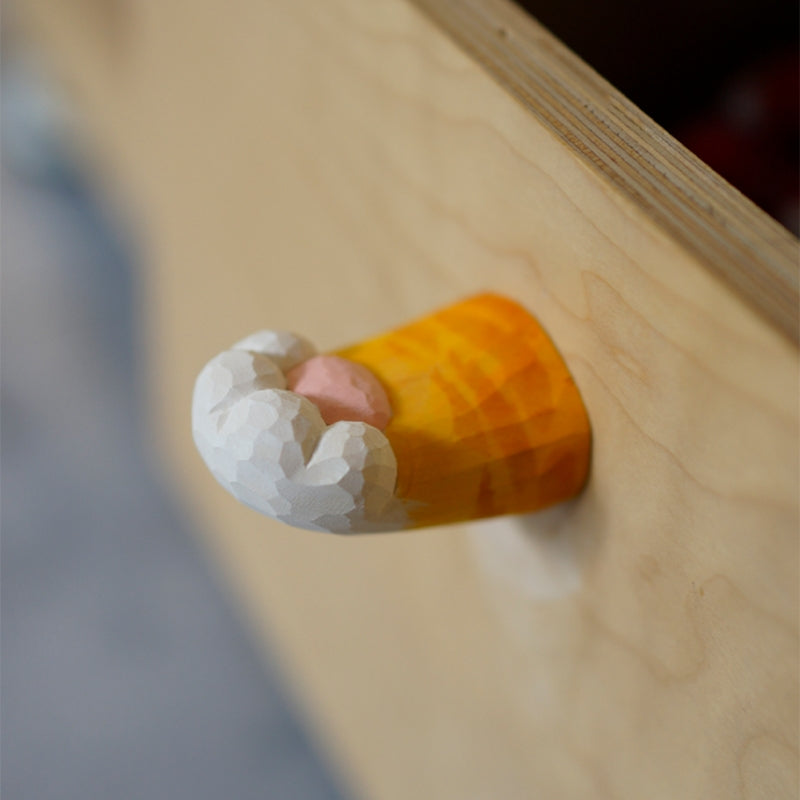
[(271, 449)]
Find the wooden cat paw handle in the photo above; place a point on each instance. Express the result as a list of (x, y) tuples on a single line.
[(466, 413)]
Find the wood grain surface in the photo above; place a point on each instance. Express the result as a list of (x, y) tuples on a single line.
[(341, 167), (691, 203)]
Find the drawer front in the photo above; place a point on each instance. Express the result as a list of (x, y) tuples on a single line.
[(338, 168)]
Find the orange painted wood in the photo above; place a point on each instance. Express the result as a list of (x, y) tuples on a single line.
[(487, 419)]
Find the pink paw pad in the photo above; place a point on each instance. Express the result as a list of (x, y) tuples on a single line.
[(342, 390)]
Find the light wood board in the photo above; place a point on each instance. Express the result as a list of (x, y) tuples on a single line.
[(340, 167)]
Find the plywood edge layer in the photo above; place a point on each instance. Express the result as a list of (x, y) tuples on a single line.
[(693, 205)]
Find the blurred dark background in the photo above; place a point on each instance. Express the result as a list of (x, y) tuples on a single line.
[(722, 76)]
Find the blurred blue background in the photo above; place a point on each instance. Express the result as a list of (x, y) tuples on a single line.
[(125, 671)]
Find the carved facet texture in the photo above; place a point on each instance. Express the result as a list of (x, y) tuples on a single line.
[(271, 449), (487, 419), (483, 419), (341, 389)]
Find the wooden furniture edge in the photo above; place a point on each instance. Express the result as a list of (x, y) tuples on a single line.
[(694, 206), (703, 213)]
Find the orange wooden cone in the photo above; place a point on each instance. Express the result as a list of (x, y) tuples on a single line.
[(487, 419)]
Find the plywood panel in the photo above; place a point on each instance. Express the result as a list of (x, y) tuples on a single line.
[(340, 167)]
